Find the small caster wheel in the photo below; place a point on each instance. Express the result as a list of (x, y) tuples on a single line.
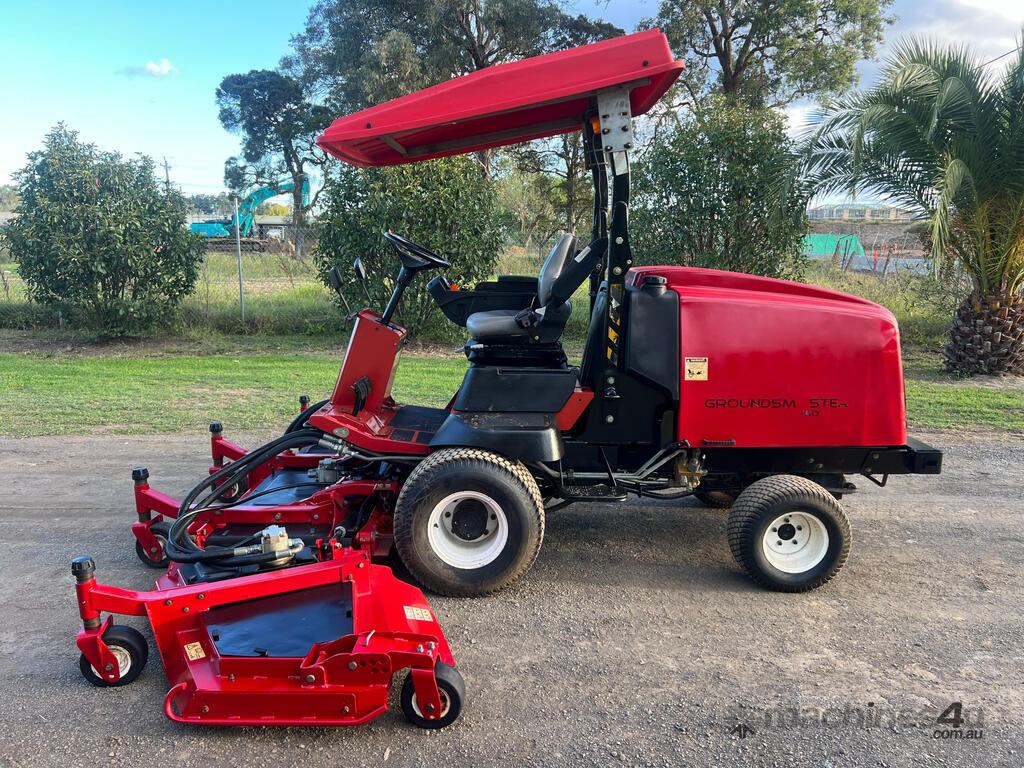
[(129, 648), (452, 688), (156, 559)]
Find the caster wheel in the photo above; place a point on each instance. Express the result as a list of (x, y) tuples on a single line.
[(129, 648), (452, 688), (155, 559)]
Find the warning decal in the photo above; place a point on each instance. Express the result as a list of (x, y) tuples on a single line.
[(194, 651), (417, 614), (696, 369)]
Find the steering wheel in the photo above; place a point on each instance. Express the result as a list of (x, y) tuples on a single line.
[(414, 255)]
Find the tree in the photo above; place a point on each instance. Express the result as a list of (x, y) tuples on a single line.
[(279, 125), (705, 195), (941, 134), (207, 204), (363, 52), (99, 238), (768, 53), (442, 204)]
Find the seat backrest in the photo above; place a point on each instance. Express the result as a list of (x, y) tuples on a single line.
[(553, 266)]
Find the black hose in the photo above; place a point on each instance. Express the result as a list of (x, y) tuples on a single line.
[(180, 548), (300, 421)]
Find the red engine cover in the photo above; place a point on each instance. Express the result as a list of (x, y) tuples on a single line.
[(774, 363)]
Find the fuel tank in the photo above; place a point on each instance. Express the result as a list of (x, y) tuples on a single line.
[(773, 363)]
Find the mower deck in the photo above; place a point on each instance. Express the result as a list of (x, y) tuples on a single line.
[(314, 644)]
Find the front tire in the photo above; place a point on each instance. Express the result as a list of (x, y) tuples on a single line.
[(468, 522), (788, 533)]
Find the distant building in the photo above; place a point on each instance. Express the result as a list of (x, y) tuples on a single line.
[(6, 217), (860, 212)]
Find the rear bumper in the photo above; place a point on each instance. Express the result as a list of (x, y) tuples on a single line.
[(921, 458)]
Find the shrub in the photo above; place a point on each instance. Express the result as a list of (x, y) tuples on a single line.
[(443, 204), (97, 237), (710, 193)]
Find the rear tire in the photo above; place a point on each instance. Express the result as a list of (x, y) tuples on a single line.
[(131, 650), (468, 522), (788, 533)]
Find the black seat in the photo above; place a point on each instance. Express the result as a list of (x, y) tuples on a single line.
[(563, 272)]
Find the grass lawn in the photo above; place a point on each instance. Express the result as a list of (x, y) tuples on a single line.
[(43, 395)]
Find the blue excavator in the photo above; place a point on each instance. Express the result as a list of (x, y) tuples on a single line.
[(221, 232)]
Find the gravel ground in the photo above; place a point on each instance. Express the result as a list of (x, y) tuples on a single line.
[(634, 640)]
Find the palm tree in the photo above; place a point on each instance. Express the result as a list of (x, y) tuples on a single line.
[(944, 134)]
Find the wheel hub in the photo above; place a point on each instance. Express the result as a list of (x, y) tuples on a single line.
[(467, 529), (469, 519), (795, 542)]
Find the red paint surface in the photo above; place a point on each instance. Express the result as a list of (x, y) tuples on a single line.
[(505, 104), (788, 364)]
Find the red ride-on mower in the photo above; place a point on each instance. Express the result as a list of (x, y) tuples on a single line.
[(761, 394)]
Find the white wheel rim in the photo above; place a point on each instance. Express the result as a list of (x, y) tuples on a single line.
[(795, 542), (456, 550), (124, 663), (445, 705)]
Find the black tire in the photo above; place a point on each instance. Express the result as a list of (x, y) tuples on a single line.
[(161, 531), (716, 499), (452, 688), (794, 500), (501, 482), (299, 421), (125, 642)]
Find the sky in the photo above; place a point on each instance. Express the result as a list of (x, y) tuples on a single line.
[(140, 76)]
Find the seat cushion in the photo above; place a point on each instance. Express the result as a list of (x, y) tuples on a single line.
[(497, 323)]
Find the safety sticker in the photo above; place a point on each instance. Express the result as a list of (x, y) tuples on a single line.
[(696, 368), (418, 614), (194, 651)]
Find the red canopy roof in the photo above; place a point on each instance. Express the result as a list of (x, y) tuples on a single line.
[(505, 104)]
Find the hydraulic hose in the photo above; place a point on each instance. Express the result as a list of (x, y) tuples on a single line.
[(180, 548)]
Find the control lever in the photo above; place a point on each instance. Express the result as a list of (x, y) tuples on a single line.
[(335, 277), (360, 270)]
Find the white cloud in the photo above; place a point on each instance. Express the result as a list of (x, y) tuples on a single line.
[(159, 68)]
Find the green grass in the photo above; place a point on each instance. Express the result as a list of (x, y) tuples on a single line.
[(42, 395), (48, 396), (945, 406)]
